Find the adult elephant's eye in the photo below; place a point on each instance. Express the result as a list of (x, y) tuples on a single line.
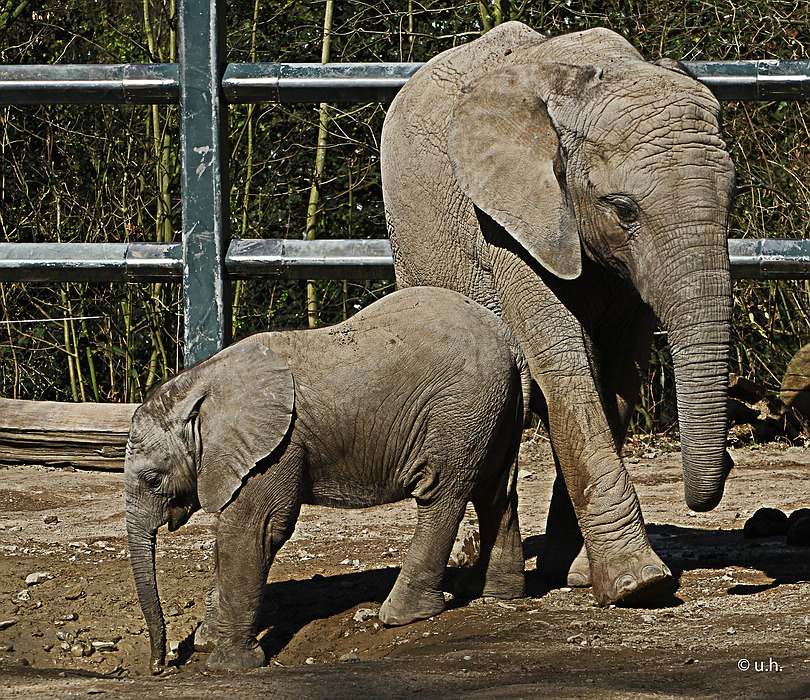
[(626, 209)]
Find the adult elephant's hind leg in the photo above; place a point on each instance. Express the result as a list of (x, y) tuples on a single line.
[(564, 561), (205, 636), (417, 593)]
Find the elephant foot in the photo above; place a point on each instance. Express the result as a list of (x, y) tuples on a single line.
[(205, 639), (402, 607), (474, 583), (633, 582), (562, 566), (230, 658), (579, 575), (506, 587)]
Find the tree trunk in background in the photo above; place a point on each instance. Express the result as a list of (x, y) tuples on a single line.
[(86, 435)]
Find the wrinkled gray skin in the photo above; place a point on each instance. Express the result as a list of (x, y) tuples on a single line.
[(579, 192), (419, 395)]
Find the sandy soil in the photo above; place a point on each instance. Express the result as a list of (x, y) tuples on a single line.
[(737, 626)]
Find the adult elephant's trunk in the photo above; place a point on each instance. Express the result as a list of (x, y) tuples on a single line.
[(142, 557), (697, 315), (701, 383)]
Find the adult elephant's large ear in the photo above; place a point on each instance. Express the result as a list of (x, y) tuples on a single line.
[(506, 157), (244, 411)]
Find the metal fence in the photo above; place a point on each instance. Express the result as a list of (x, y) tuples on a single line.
[(203, 85)]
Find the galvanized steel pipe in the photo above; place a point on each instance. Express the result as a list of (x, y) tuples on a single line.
[(334, 82), (148, 83), (366, 259)]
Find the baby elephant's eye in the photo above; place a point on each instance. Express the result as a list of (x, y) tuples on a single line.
[(153, 481)]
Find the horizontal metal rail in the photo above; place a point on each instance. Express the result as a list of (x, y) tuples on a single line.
[(314, 82), (308, 82), (153, 262), (90, 262), (364, 259), (770, 258), (781, 81), (149, 83), (369, 259), (158, 83)]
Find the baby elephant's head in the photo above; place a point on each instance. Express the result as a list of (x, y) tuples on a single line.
[(191, 444), (162, 458)]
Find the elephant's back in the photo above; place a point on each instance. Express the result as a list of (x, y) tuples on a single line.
[(434, 317), (419, 336), (466, 341), (426, 212)]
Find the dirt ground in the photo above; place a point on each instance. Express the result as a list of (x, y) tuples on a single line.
[(738, 625)]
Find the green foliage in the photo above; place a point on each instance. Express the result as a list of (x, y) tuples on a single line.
[(111, 173)]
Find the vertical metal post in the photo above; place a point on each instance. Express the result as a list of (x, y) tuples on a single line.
[(204, 157)]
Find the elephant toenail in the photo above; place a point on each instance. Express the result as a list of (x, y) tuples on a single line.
[(578, 581), (649, 573), (626, 583)]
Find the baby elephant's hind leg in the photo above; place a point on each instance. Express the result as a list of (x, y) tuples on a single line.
[(499, 571), (501, 548), (417, 593)]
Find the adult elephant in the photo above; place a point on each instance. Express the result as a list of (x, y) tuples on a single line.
[(579, 191)]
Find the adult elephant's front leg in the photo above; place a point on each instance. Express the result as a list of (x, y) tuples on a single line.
[(622, 346), (623, 564)]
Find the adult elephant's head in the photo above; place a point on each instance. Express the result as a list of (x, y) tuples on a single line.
[(191, 444), (623, 162)]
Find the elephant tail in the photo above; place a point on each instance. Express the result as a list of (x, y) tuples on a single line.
[(522, 365), (525, 385)]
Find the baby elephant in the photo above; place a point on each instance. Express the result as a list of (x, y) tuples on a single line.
[(422, 395)]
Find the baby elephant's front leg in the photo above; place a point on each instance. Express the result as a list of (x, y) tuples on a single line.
[(250, 531), (241, 573), (417, 593)]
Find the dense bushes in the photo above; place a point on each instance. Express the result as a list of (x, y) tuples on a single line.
[(111, 173)]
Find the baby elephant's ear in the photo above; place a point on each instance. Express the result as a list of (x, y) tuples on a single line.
[(246, 413)]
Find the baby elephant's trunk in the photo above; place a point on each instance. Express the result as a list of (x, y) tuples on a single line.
[(142, 556)]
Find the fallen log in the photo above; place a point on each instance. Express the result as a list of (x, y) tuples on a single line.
[(85, 435)]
